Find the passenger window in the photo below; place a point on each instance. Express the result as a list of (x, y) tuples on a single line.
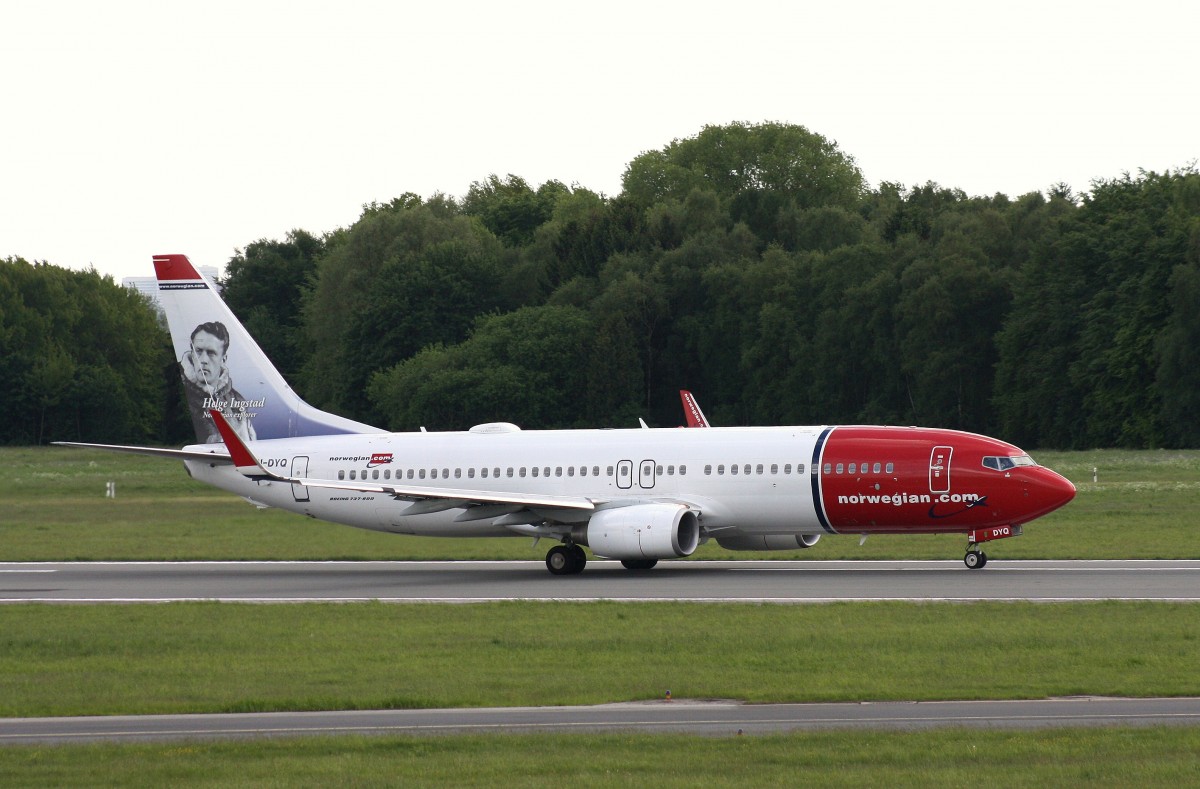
[(375, 474), (522, 471), (658, 470), (774, 468), (852, 468), (708, 470), (733, 469), (546, 471), (889, 468), (720, 469), (670, 471), (496, 472), (875, 469), (410, 473), (799, 468), (758, 469), (787, 468), (610, 471), (839, 468), (828, 469), (534, 471), (483, 472), (510, 471), (570, 471), (470, 473), (583, 471), (682, 470), (458, 473), (342, 474), (558, 471)]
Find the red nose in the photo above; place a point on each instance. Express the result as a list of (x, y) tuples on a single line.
[(1046, 491)]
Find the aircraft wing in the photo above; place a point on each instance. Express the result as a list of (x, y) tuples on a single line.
[(218, 454), (428, 499)]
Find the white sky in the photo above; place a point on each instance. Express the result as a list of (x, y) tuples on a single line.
[(129, 129)]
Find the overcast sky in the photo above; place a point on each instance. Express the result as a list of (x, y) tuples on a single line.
[(129, 129)]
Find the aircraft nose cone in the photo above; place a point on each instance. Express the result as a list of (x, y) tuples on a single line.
[(1048, 491)]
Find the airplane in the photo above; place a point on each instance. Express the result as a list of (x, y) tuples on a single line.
[(634, 495)]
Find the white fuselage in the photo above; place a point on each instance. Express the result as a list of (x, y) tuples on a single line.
[(610, 467)]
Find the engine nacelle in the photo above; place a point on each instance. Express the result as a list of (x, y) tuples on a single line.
[(643, 531), (768, 542)]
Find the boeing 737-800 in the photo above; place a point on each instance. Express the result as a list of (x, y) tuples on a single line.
[(637, 495)]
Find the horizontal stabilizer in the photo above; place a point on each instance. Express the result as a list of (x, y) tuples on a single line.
[(216, 455)]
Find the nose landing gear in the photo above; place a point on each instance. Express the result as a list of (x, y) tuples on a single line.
[(975, 559)]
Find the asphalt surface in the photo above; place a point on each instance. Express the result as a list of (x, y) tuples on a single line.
[(714, 718), (747, 581)]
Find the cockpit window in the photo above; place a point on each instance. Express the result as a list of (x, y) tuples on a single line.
[(1005, 463)]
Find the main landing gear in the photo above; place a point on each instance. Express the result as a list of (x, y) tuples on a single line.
[(569, 559), (975, 558), (566, 559)]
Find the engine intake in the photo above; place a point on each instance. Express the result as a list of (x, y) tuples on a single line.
[(643, 531)]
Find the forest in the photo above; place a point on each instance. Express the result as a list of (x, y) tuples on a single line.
[(750, 263)]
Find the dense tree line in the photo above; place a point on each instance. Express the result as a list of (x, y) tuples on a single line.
[(82, 359), (751, 264)]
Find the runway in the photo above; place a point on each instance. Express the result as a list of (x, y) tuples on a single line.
[(714, 718), (717, 581), (783, 582)]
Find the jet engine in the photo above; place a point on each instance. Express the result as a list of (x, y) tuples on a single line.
[(768, 542), (642, 531)]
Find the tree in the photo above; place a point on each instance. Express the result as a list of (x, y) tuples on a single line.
[(524, 366), (772, 160), (404, 276), (264, 286)]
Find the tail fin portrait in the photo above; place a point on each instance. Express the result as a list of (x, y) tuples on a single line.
[(223, 368)]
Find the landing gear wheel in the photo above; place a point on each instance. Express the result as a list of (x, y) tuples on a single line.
[(565, 560), (975, 560), (638, 564), (578, 557)]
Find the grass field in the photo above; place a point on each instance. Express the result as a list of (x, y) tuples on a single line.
[(1168, 757), (213, 657), (1143, 506)]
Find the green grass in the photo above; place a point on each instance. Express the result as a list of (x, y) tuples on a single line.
[(54, 509), (213, 657), (1103, 757)]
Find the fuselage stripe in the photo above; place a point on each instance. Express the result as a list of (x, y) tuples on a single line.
[(818, 505)]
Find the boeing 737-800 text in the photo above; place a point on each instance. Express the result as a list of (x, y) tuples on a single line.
[(636, 495)]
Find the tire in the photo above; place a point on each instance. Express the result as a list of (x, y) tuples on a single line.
[(559, 560)]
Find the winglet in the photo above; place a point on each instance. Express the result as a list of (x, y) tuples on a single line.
[(243, 459), (691, 410)]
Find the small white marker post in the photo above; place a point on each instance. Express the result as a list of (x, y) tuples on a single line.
[(1095, 474), (110, 491)]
